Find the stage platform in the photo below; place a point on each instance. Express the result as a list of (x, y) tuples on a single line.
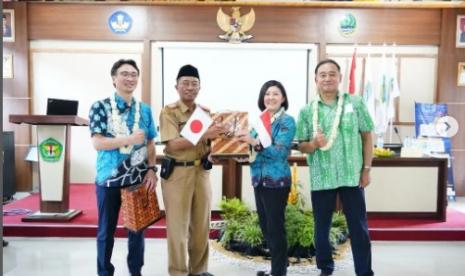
[(82, 197)]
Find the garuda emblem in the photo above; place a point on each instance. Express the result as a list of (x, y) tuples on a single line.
[(235, 25)]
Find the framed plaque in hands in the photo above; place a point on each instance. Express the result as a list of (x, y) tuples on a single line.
[(140, 207), (228, 145)]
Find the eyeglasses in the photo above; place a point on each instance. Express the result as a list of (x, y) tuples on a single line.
[(324, 75), (126, 74), (186, 84)]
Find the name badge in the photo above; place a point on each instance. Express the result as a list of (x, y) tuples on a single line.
[(348, 108)]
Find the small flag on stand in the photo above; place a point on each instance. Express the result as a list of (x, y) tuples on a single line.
[(196, 126), (263, 128)]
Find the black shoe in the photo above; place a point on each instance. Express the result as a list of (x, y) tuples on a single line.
[(324, 274), (263, 273), (5, 243)]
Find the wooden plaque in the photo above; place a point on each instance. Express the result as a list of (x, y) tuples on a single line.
[(228, 145)]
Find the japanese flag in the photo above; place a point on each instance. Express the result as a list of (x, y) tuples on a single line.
[(196, 126), (263, 128)]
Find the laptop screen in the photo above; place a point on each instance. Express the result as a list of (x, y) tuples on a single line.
[(62, 107)]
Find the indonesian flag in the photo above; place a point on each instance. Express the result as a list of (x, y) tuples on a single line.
[(352, 73), (263, 128), (196, 126)]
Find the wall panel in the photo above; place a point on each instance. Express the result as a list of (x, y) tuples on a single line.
[(82, 22), (16, 93), (449, 58), (403, 26), (273, 24), (457, 110), (459, 172), (449, 92)]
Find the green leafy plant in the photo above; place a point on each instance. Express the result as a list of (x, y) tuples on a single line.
[(306, 234), (299, 227), (230, 232), (294, 222), (249, 231), (233, 209), (242, 226)]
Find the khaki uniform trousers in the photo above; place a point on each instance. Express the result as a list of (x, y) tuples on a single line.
[(187, 199)]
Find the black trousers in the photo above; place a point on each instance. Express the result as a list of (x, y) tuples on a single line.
[(271, 206)]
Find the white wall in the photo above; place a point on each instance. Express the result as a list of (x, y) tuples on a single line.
[(232, 74), (80, 71)]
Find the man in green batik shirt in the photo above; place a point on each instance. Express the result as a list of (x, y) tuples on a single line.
[(335, 131)]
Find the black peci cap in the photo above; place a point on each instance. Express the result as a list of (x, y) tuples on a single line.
[(188, 71)]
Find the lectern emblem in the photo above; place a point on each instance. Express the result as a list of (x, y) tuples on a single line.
[(50, 150)]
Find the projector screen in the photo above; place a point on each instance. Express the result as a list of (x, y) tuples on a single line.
[(231, 75)]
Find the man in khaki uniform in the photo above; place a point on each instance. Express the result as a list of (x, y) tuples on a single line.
[(187, 191)]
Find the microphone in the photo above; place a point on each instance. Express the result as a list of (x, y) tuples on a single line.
[(396, 130)]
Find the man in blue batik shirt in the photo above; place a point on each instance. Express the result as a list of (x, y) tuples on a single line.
[(120, 127)]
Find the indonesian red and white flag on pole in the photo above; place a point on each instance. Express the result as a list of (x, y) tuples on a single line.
[(263, 128), (352, 73), (196, 126)]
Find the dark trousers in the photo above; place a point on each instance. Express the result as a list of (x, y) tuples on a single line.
[(353, 204), (271, 205), (109, 203)]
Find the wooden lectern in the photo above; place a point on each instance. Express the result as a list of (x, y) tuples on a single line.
[(53, 146)]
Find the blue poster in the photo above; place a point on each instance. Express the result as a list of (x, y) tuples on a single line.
[(427, 114)]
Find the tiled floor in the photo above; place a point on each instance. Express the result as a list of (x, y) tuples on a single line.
[(76, 256)]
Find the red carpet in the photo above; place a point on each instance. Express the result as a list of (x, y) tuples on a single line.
[(85, 225), (453, 229)]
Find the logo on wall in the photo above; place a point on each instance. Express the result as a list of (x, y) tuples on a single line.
[(50, 150), (120, 22), (348, 25), (235, 25)]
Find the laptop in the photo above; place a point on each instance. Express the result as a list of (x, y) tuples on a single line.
[(62, 107)]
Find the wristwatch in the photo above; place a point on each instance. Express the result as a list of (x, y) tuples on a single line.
[(153, 168), (367, 168), (258, 147)]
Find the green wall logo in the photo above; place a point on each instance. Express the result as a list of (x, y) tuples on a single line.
[(50, 150), (348, 25)]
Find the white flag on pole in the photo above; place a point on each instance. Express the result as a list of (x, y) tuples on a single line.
[(368, 91), (393, 86), (393, 91)]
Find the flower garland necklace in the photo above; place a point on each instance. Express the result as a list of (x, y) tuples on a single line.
[(335, 125), (277, 115), (120, 127)]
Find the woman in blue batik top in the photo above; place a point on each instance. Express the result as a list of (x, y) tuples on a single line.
[(271, 175)]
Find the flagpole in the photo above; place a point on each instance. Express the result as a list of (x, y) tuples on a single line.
[(362, 79)]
